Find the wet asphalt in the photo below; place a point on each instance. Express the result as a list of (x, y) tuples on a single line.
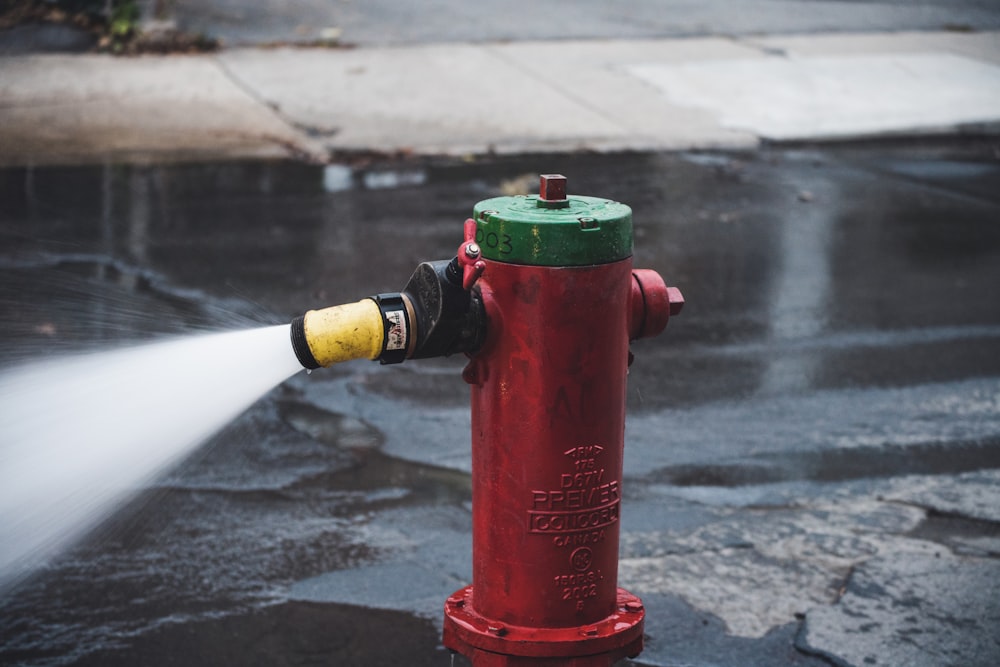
[(812, 470)]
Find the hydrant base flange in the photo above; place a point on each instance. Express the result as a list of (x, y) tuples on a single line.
[(488, 643)]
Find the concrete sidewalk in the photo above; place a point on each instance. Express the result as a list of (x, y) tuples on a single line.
[(468, 99)]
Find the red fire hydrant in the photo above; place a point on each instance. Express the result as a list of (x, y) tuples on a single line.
[(562, 302), (543, 298)]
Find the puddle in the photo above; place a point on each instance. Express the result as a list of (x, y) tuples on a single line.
[(964, 536), (301, 633), (839, 465), (384, 480)]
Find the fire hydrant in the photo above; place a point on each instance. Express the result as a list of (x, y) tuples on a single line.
[(543, 299)]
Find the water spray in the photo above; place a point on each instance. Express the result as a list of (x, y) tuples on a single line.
[(543, 299), (81, 434)]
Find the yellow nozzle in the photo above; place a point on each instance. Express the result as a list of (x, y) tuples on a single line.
[(433, 316), (339, 333)]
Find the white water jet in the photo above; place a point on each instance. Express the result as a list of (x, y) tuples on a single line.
[(79, 435)]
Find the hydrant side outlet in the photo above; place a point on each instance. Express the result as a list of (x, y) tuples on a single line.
[(548, 417)]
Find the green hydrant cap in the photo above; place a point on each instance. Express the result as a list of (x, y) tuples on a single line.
[(553, 229)]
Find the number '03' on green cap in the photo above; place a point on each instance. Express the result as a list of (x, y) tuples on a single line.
[(576, 231)]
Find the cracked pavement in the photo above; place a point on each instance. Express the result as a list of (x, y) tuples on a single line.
[(812, 449)]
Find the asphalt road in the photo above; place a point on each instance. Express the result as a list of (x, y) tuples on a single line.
[(390, 22), (813, 446)]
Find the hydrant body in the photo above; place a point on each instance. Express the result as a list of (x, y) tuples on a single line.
[(548, 418)]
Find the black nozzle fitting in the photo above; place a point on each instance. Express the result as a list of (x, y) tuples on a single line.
[(449, 318)]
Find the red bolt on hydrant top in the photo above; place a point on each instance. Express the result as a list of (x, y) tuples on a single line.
[(554, 274)]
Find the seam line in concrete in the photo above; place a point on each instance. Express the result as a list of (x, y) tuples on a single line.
[(303, 144), (568, 94)]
